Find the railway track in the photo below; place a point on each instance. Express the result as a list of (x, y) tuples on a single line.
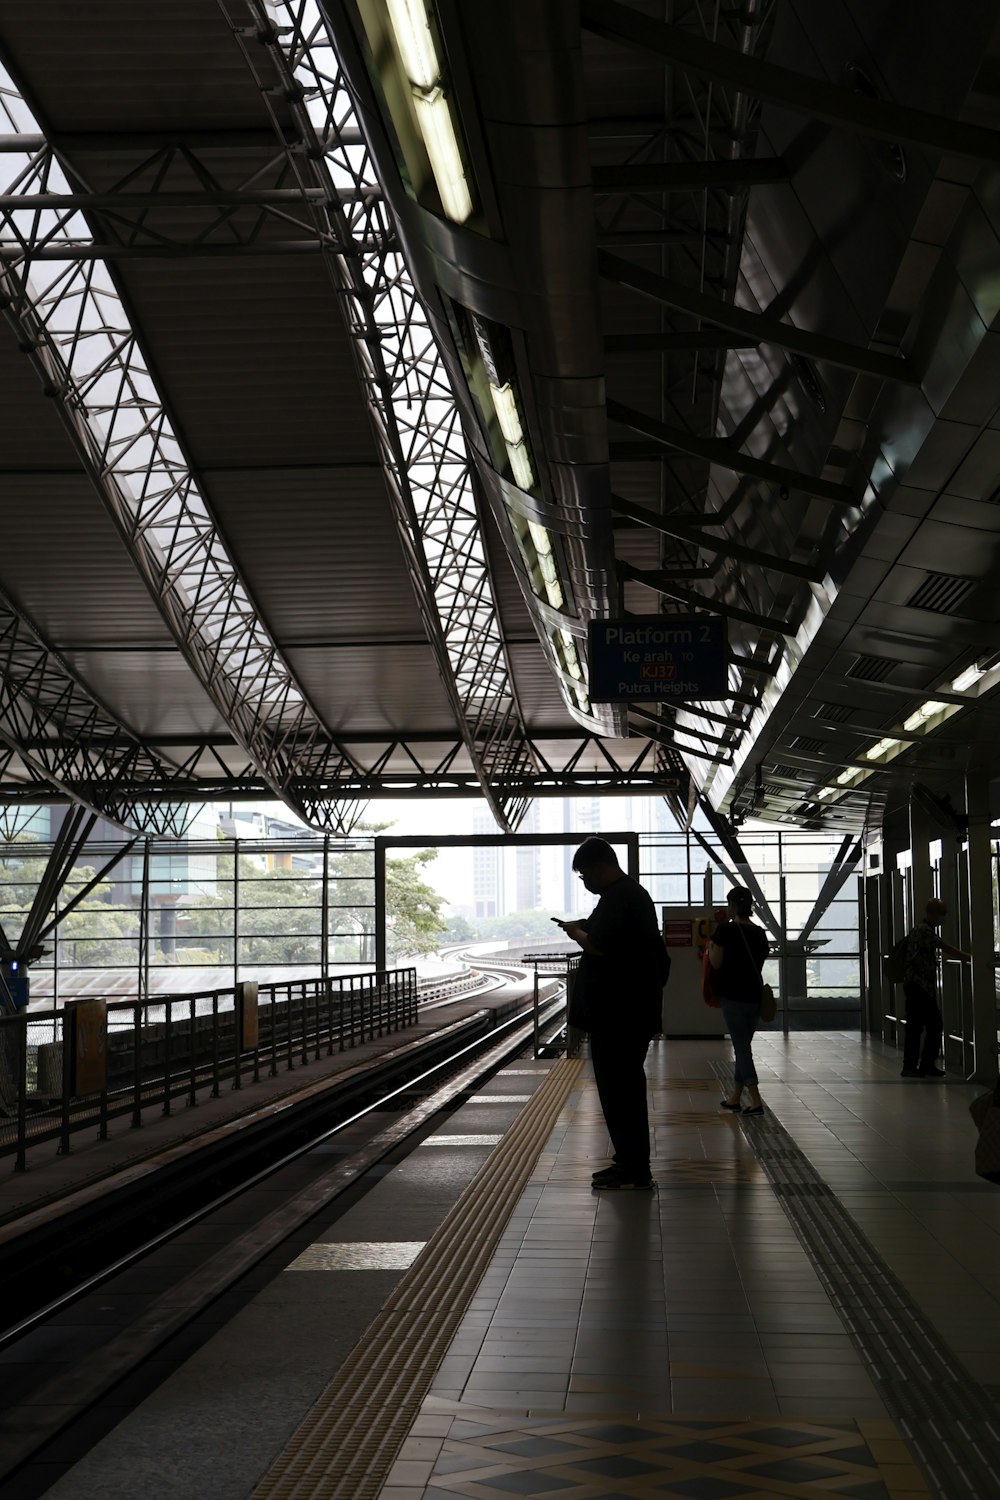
[(303, 1164)]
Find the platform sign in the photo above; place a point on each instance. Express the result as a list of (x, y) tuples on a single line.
[(89, 1020), (658, 657)]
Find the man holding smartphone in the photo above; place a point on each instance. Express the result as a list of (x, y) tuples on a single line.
[(617, 998)]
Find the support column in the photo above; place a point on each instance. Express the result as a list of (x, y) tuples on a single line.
[(921, 874), (380, 938), (980, 866), (953, 996)]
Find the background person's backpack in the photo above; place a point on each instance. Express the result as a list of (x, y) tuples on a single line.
[(894, 966)]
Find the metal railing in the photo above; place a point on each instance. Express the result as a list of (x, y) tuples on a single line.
[(88, 1063), (556, 1035)]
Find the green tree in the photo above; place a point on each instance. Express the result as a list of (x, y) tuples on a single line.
[(414, 923)]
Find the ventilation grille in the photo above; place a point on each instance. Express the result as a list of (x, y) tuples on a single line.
[(871, 668), (837, 713), (809, 743), (790, 773), (941, 593)]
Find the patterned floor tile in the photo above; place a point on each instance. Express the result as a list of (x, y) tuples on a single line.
[(698, 1459)]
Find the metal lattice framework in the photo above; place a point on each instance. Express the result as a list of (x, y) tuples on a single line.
[(686, 178), (562, 765), (414, 413), (68, 741), (69, 316)]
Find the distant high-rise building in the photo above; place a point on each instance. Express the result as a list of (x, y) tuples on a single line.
[(487, 871), (527, 866)]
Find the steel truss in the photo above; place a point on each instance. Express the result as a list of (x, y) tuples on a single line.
[(439, 768), (715, 59), (72, 323), (415, 417), (71, 743), (691, 171)]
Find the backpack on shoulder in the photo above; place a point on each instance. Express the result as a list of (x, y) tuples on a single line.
[(894, 966)]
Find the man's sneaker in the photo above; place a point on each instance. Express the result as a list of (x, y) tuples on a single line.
[(932, 1072), (911, 1073), (605, 1173), (617, 1181)]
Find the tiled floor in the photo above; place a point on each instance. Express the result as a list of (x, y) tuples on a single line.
[(693, 1342)]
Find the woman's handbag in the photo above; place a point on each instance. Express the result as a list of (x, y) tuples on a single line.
[(768, 1004), (986, 1112), (708, 981)]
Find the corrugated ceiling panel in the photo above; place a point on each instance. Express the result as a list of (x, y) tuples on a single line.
[(320, 553), (31, 434), (392, 689), (253, 360), (120, 65), (540, 699), (154, 692), (62, 561)]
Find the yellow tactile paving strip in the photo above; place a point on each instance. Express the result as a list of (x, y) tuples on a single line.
[(346, 1445), (491, 1455)]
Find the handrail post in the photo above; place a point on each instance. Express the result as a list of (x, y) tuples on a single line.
[(67, 1065), (136, 1066), (21, 1159), (193, 1076), (168, 1038)]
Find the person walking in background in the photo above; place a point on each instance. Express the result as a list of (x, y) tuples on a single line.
[(618, 998), (736, 954), (923, 1014)]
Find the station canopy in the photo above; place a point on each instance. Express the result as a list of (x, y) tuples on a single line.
[(356, 359)]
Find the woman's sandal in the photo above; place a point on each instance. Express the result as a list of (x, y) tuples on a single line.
[(754, 1109)]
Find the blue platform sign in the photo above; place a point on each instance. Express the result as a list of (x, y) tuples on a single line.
[(658, 657)]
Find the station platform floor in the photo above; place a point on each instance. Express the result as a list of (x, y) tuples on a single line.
[(807, 1305)]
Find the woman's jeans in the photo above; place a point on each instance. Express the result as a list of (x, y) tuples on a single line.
[(741, 1017)]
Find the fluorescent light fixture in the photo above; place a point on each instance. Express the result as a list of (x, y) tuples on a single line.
[(412, 29), (570, 655), (927, 711), (520, 463), (852, 775), (541, 538), (438, 131), (505, 404), (553, 588), (882, 748), (968, 678)]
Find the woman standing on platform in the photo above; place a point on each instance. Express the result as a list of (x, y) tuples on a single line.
[(736, 954)]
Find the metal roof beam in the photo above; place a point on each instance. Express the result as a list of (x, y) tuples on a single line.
[(207, 198), (663, 583), (76, 251), (755, 325), (70, 741), (407, 388), (675, 342), (689, 176), (77, 333), (143, 141), (716, 451), (722, 546), (805, 95)]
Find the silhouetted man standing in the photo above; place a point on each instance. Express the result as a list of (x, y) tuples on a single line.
[(923, 1014), (618, 997)]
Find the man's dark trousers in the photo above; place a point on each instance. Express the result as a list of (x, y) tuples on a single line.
[(922, 1016), (621, 1086)]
